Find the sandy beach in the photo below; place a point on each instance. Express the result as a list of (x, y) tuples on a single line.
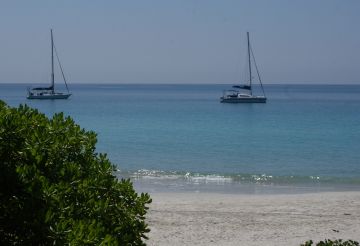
[(237, 219)]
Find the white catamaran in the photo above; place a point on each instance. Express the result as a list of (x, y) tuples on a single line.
[(49, 92), (246, 95)]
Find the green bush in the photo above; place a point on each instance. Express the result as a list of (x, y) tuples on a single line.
[(328, 242), (55, 189)]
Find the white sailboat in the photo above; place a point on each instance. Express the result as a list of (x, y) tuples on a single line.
[(49, 92), (246, 93)]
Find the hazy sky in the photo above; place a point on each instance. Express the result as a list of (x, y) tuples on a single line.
[(181, 41)]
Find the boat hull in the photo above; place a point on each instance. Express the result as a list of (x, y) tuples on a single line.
[(243, 99), (49, 96)]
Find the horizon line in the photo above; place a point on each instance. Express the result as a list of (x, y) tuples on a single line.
[(187, 83)]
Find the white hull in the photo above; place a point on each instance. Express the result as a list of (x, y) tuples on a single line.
[(49, 96), (251, 99)]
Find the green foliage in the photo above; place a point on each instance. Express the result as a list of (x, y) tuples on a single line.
[(328, 242), (54, 188)]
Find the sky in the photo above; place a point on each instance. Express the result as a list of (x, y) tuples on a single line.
[(181, 41)]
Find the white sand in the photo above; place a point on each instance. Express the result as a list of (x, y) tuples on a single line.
[(224, 219)]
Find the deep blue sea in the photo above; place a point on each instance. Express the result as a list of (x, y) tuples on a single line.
[(180, 137)]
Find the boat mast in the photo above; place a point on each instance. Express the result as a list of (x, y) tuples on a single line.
[(248, 41), (52, 62)]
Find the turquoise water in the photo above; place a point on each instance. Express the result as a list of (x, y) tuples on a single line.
[(181, 134)]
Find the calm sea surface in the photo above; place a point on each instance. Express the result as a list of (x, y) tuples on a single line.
[(181, 137)]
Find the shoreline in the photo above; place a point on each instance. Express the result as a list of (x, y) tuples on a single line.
[(196, 218), (160, 185), (161, 181)]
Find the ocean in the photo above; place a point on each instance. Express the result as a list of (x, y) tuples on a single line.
[(181, 138)]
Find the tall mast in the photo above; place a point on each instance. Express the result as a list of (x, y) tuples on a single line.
[(52, 62), (248, 41)]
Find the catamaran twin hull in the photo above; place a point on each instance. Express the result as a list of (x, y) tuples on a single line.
[(255, 99), (49, 96)]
